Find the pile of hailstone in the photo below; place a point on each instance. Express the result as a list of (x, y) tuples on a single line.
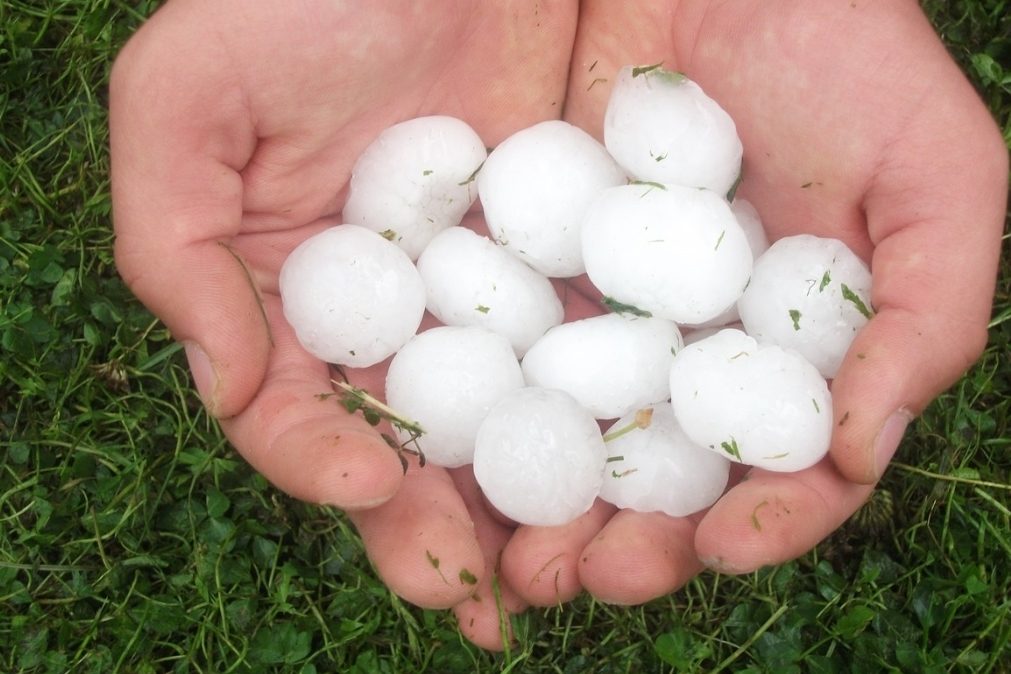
[(649, 217)]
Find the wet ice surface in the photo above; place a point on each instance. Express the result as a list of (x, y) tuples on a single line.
[(811, 294), (611, 364), (756, 404), (471, 281), (352, 297), (446, 379), (658, 468), (661, 127), (539, 457), (415, 179), (676, 252), (535, 188)]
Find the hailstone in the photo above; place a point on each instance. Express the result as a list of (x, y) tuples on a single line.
[(653, 466), (661, 127), (756, 404), (810, 294), (539, 457), (471, 281), (415, 179), (611, 364), (675, 252), (535, 188), (446, 379), (352, 297)]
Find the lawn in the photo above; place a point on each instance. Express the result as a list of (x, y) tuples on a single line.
[(133, 539)]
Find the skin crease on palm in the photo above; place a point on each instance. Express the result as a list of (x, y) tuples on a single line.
[(235, 125)]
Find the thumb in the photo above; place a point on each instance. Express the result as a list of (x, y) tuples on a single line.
[(179, 134), (934, 212)]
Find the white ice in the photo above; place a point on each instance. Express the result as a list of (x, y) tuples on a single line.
[(446, 379), (535, 188), (415, 179), (756, 404), (352, 297), (540, 457)]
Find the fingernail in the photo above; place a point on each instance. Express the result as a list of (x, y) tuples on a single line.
[(888, 439), (717, 564), (204, 376)]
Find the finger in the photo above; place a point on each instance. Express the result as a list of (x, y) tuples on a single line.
[(303, 440), (422, 541), (936, 227), (484, 616), (637, 557), (770, 518), (179, 135), (542, 563)]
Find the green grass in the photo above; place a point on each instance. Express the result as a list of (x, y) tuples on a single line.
[(132, 539)]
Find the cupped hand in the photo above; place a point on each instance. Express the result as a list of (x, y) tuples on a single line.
[(857, 125), (234, 128)]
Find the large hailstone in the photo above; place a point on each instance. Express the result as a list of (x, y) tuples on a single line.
[(661, 127), (415, 180), (535, 188), (654, 466), (755, 404), (352, 297), (676, 252), (446, 379), (471, 281), (811, 294), (539, 457), (611, 364)]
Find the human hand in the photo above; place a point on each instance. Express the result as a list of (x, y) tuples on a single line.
[(856, 125), (234, 127)]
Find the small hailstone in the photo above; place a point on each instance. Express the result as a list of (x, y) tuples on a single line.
[(539, 457), (653, 466), (611, 364), (756, 404), (471, 281), (535, 188), (352, 297), (661, 127), (415, 179), (810, 294), (676, 252), (446, 379)]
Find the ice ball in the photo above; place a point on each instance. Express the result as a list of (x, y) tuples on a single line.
[(352, 297), (539, 457), (755, 404), (811, 294), (654, 466), (447, 379)]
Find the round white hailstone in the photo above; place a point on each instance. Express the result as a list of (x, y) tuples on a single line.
[(611, 364), (352, 297), (535, 188), (810, 294), (446, 379), (655, 467), (756, 404), (676, 252), (472, 281), (751, 223), (661, 127), (415, 179), (539, 457)]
